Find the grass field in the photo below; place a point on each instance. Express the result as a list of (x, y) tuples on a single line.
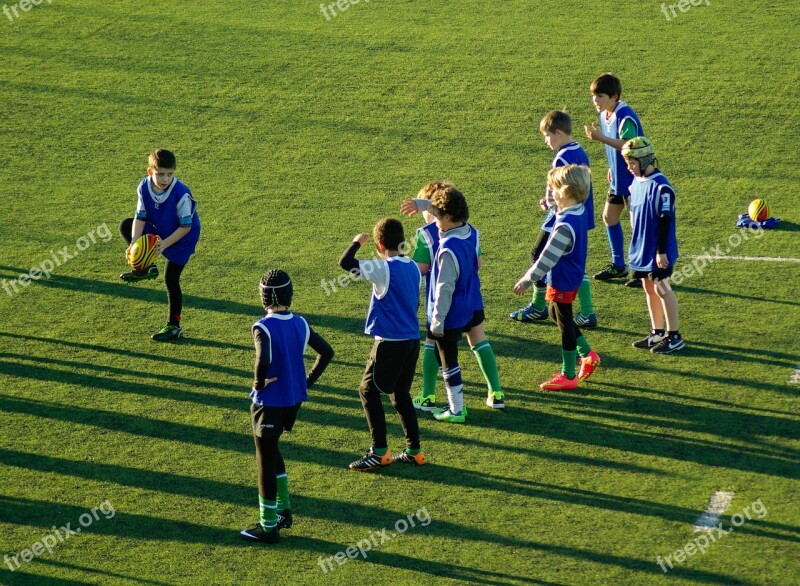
[(295, 132)]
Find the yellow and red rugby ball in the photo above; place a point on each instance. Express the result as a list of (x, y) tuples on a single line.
[(758, 210), (142, 253)]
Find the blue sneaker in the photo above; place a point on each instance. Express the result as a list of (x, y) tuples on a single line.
[(529, 314), (586, 321)]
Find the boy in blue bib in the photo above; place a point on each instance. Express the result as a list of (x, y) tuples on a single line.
[(563, 260), (167, 209), (654, 245), (392, 321), (279, 389)]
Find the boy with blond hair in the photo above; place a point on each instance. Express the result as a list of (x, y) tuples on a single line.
[(563, 259)]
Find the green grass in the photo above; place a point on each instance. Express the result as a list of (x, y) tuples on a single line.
[(295, 133)]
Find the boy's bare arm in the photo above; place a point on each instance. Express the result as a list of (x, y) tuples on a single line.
[(410, 207), (173, 238)]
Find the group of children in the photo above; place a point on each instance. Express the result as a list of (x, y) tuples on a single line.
[(448, 255)]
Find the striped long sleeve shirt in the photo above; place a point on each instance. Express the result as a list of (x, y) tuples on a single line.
[(560, 241)]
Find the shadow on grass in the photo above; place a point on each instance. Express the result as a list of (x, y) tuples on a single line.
[(45, 514), (132, 354), (22, 577), (760, 300), (321, 508), (61, 566)]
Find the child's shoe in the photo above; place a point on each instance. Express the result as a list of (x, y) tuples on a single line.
[(285, 519), (589, 364), (650, 341), (258, 533), (168, 332), (371, 460), (405, 458), (136, 276), (449, 417), (587, 322), (669, 344), (529, 314), (559, 382), (424, 402), (611, 272), (496, 400)]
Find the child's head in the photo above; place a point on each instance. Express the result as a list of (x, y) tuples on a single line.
[(449, 207), (427, 192), (388, 235), (556, 127), (606, 91), (639, 154), (276, 289), (570, 184), (161, 168)]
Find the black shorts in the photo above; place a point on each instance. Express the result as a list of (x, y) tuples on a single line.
[(454, 335), (273, 421), (658, 274), (391, 366), (617, 199)]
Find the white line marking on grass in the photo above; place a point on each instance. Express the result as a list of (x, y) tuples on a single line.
[(794, 378), (717, 505), (764, 258)]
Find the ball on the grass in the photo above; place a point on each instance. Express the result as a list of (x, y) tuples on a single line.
[(758, 210), (143, 252)]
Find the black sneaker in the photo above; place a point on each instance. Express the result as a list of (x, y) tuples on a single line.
[(611, 272), (650, 341), (258, 533), (136, 276), (668, 344), (405, 458), (285, 519), (371, 460), (635, 283)]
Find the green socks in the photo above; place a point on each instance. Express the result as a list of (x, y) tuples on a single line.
[(585, 296), (283, 502), (379, 451), (583, 347), (488, 364), (568, 364), (413, 452), (538, 300), (430, 370), (269, 513)]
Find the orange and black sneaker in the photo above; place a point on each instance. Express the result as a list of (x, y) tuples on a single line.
[(589, 364), (405, 458), (371, 460), (559, 382)]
